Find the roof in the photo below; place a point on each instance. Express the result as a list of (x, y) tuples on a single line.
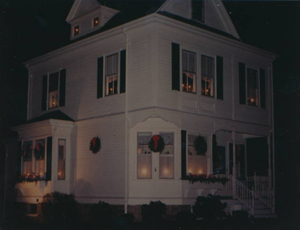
[(58, 115)]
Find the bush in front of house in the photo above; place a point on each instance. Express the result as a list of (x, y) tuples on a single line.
[(153, 213), (59, 207), (185, 220), (102, 214), (124, 221), (209, 208)]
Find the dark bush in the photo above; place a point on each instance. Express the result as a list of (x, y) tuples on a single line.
[(59, 207), (102, 214), (154, 212), (185, 220), (124, 221), (209, 208), (240, 215)]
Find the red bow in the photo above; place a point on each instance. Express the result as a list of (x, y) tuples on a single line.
[(94, 142), (155, 138), (37, 147)]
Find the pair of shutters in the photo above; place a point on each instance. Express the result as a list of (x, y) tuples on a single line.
[(62, 89), (176, 71), (122, 74), (242, 85)]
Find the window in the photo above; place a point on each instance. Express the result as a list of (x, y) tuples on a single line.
[(252, 87), (32, 209), (76, 30), (198, 10), (144, 156), (166, 157), (61, 159), (27, 158), (197, 164), (111, 75), (189, 71), (54, 90), (96, 22), (39, 155), (207, 76)]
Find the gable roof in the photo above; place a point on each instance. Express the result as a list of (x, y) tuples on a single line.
[(81, 7)]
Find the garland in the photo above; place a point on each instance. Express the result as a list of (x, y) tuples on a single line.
[(95, 144), (200, 145), (39, 151), (202, 178), (30, 178), (156, 144)]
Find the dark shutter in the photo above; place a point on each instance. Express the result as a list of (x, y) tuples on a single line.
[(44, 93), (262, 88), (100, 78), (62, 87), (19, 158), (49, 158), (123, 72), (175, 66), (183, 153), (219, 77), (230, 158), (242, 83)]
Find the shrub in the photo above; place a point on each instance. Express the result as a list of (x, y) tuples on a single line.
[(209, 208), (102, 214), (124, 221), (154, 212), (185, 220), (240, 215), (57, 207)]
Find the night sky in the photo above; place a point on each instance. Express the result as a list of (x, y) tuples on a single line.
[(33, 27)]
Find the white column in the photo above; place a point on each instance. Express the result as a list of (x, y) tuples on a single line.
[(269, 163), (233, 167)]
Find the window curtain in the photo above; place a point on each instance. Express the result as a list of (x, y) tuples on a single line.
[(166, 157)]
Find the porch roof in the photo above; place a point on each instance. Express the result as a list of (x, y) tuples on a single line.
[(58, 115)]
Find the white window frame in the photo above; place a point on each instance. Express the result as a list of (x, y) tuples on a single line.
[(106, 76), (58, 90), (258, 86), (212, 77), (188, 73)]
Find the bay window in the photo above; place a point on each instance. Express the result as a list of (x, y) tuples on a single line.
[(61, 159), (144, 156), (207, 76), (197, 164), (27, 157), (166, 157), (39, 155)]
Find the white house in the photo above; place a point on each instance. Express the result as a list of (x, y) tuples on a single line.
[(178, 70)]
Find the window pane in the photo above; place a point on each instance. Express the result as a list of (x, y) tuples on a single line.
[(61, 159), (189, 72), (53, 90), (166, 157), (144, 156), (39, 153), (252, 87), (196, 164), (208, 75), (27, 157), (112, 65)]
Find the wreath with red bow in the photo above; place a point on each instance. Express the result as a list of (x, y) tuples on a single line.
[(26, 153), (156, 144), (95, 145), (39, 151)]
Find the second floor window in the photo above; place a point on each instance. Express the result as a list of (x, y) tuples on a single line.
[(53, 90), (111, 76), (207, 76), (188, 71), (252, 87)]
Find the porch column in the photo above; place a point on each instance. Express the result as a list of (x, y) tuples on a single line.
[(233, 167), (269, 163)]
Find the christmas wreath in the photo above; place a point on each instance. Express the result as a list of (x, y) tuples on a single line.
[(26, 153), (200, 145), (39, 151), (95, 145), (157, 143)]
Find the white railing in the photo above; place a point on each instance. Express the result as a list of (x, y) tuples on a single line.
[(265, 180), (265, 194), (245, 195)]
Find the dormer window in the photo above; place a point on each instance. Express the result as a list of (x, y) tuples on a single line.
[(96, 22), (76, 30), (198, 10)]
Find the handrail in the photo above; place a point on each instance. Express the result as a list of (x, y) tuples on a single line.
[(245, 195), (264, 194)]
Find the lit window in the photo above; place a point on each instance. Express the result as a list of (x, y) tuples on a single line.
[(76, 30), (207, 76), (188, 71), (96, 22), (39, 155), (166, 157), (197, 164), (144, 156), (61, 159), (252, 87), (27, 158), (111, 74), (53, 90)]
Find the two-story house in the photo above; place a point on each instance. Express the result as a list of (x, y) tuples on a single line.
[(166, 92)]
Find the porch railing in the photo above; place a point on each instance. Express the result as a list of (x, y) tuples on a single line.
[(264, 194), (265, 180), (245, 195)]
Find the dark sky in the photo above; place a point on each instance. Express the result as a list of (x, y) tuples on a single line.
[(32, 27)]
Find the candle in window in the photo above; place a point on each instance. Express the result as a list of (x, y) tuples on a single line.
[(200, 171), (144, 171), (139, 150), (252, 99), (190, 171), (166, 171)]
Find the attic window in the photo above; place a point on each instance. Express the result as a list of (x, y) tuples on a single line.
[(198, 10), (76, 30), (96, 22)]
